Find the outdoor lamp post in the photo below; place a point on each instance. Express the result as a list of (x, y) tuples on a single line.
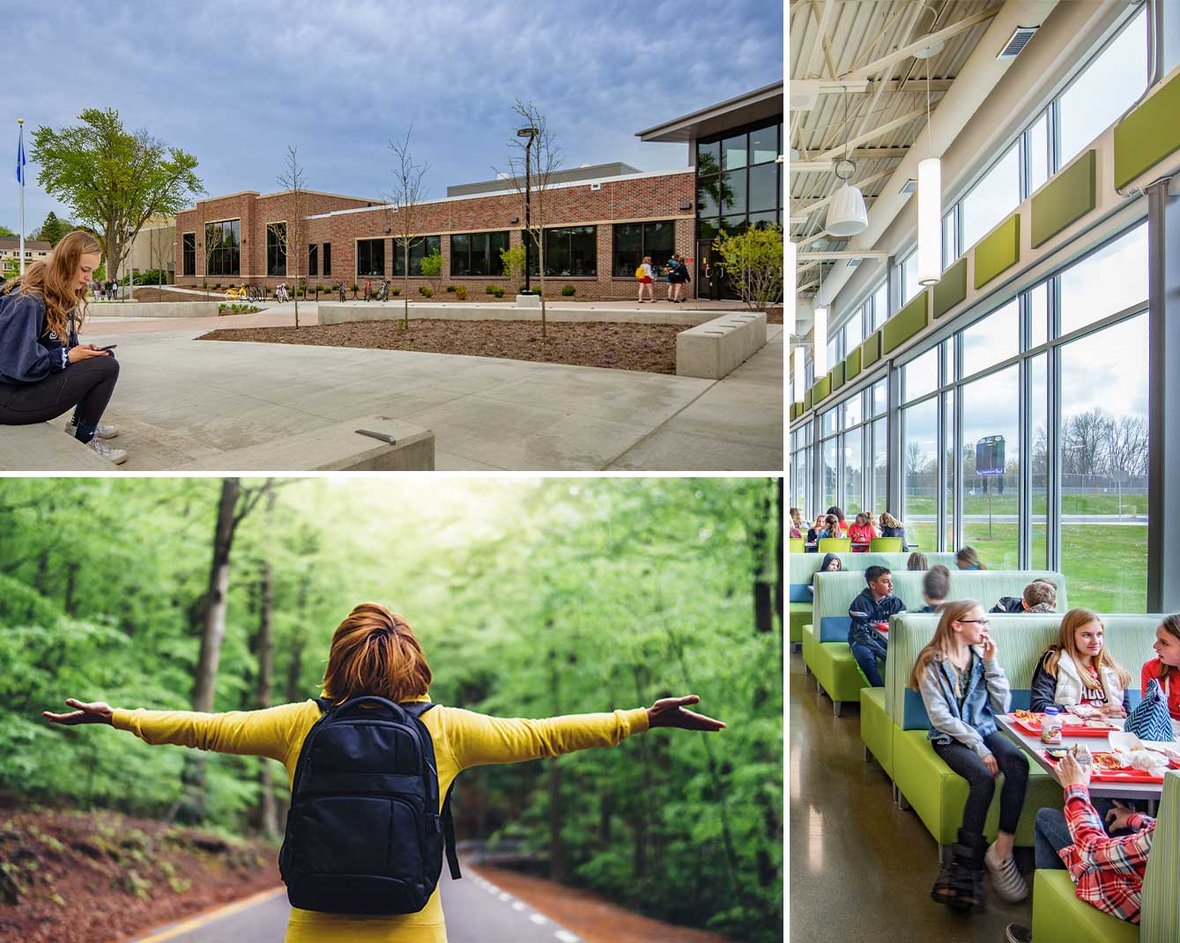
[(530, 133)]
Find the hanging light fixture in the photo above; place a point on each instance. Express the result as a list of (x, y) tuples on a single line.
[(799, 378), (819, 330), (847, 215), (929, 203)]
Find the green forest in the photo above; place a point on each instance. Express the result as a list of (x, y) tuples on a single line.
[(532, 597)]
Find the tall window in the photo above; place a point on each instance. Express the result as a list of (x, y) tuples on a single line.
[(570, 251), (313, 260), (478, 253), (370, 258), (419, 249), (327, 258), (990, 467), (223, 242), (919, 456), (993, 198), (189, 253), (635, 240), (880, 305), (909, 278), (739, 182), (276, 248)]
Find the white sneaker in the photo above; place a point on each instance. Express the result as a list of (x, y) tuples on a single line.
[(117, 456), (103, 431), (1007, 880)]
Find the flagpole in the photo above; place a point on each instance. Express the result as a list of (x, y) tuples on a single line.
[(20, 172)]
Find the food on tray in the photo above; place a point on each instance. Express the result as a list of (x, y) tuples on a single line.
[(1082, 754), (1085, 711), (1101, 724), (1027, 717)]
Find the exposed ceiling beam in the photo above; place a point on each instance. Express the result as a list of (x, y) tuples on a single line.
[(840, 254), (810, 208), (905, 52), (910, 86), (821, 29), (873, 133), (862, 153)]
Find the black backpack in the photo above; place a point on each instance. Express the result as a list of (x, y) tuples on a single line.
[(363, 834)]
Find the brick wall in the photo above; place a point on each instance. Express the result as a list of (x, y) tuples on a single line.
[(656, 197)]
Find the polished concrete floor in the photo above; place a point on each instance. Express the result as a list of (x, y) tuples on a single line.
[(859, 867)]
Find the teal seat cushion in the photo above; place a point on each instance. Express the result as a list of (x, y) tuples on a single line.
[(800, 616), (1059, 917), (938, 794), (876, 729)]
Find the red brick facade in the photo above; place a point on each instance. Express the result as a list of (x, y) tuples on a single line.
[(634, 198)]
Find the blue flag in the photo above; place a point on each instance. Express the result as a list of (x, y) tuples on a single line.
[(20, 157)]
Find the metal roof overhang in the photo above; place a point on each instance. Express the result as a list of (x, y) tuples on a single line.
[(753, 106)]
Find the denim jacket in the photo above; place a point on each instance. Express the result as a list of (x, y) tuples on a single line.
[(864, 611), (988, 694)]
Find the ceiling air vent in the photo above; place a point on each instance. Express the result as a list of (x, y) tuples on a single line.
[(1018, 41), (910, 186), (853, 263)]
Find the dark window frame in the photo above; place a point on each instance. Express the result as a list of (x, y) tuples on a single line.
[(188, 253), (313, 260), (371, 269), (463, 262), (276, 249), (327, 259), (223, 247), (626, 269), (553, 249), (421, 247)]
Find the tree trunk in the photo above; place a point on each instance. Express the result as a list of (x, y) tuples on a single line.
[(268, 819)]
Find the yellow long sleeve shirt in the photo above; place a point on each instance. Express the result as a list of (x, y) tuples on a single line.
[(462, 739)]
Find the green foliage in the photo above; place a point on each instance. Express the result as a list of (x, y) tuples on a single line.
[(514, 262), (237, 308), (450, 289), (425, 291), (531, 598), (152, 276), (754, 259), (7, 233), (461, 293), (54, 229), (112, 179), (568, 291)]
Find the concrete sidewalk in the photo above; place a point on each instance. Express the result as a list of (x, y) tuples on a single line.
[(180, 400)]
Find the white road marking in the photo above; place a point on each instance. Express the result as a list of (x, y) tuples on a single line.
[(517, 905), (505, 897), (538, 919), (566, 937)]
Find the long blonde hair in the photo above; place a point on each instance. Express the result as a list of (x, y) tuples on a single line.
[(54, 282), (951, 612), (1067, 642)]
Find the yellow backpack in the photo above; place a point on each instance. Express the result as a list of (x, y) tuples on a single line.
[(639, 272)]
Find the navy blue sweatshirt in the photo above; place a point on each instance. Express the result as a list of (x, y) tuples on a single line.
[(29, 352)]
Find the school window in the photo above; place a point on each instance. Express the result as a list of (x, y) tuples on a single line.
[(189, 253), (421, 247), (478, 253), (370, 257), (313, 260), (635, 240), (223, 242), (327, 258), (569, 250), (276, 248)]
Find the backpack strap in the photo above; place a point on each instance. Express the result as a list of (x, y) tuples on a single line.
[(417, 709)]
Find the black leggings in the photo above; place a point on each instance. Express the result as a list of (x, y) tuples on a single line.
[(87, 384), (982, 785)]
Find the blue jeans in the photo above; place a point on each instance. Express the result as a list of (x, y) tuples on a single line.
[(1050, 835), (867, 657)]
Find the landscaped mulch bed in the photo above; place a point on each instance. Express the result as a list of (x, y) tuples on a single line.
[(647, 347)]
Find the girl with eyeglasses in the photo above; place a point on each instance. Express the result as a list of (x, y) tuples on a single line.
[(963, 688)]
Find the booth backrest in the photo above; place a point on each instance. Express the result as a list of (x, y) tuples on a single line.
[(834, 593), (803, 565), (1160, 913), (1021, 641)]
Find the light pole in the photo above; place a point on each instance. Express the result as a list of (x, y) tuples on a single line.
[(530, 133)]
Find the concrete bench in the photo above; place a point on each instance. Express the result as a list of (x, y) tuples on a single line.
[(337, 447), (44, 447), (160, 309), (718, 347)]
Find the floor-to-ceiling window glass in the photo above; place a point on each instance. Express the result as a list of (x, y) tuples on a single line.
[(853, 439), (919, 456), (1038, 398), (990, 468)]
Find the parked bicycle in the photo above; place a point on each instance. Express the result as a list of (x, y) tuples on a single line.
[(382, 293), (238, 293), (341, 291), (255, 293), (281, 295)]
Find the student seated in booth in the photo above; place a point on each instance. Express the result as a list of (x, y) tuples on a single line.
[(862, 531), (797, 521), (821, 524), (831, 529), (876, 603), (1038, 596), (892, 527), (917, 561), (967, 559), (963, 688), (1108, 871), (1080, 670), (839, 512), (936, 586), (1165, 667)]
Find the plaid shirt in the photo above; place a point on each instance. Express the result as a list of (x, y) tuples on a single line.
[(1108, 871)]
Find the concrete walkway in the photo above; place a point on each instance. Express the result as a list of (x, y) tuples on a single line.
[(180, 400)]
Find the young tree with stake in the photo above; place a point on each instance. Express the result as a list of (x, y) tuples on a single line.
[(404, 210)]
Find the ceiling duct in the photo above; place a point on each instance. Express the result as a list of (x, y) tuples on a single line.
[(1018, 41)]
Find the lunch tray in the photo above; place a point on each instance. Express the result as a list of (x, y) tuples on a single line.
[(1128, 775), (1033, 729)]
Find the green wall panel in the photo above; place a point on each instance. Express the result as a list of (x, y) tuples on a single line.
[(1148, 134), (852, 364), (998, 251), (807, 401), (836, 375), (1066, 198), (821, 390), (951, 288), (906, 323), (871, 349)]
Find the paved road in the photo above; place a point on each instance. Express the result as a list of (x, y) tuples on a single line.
[(476, 912)]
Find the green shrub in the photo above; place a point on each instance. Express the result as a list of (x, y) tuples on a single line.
[(461, 292), (395, 290), (425, 291), (568, 291), (451, 289), (491, 289), (497, 291)]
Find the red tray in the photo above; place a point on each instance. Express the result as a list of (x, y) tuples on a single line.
[(1033, 729), (1128, 775)]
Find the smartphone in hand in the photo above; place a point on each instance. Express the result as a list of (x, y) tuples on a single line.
[(110, 347)]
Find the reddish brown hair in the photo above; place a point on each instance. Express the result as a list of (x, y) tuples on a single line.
[(374, 651)]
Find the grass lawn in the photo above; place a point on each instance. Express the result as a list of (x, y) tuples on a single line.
[(1105, 566), (1100, 503)]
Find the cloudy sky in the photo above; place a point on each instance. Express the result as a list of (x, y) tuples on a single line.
[(235, 82)]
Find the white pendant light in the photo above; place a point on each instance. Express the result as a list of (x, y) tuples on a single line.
[(929, 207), (847, 215), (799, 377), (819, 330)]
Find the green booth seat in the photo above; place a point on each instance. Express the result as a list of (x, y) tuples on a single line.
[(797, 544), (936, 793), (834, 545), (1059, 917), (827, 654), (876, 728), (885, 545), (800, 616)]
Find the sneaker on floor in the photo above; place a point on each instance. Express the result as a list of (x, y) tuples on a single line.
[(1015, 933), (117, 456), (1006, 877), (103, 431)]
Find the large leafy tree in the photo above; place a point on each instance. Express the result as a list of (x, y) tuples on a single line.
[(113, 180), (54, 229)]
